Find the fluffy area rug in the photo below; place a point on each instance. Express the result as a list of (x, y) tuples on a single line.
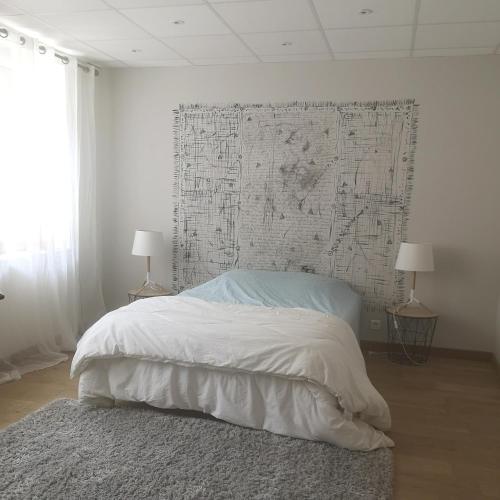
[(69, 451)]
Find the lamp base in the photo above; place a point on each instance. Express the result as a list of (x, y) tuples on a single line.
[(412, 301), (151, 286)]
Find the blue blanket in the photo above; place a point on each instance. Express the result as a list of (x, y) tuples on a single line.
[(283, 289)]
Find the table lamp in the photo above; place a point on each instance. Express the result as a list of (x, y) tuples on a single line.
[(414, 257), (148, 244)]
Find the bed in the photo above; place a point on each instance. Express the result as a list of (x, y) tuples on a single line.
[(267, 350)]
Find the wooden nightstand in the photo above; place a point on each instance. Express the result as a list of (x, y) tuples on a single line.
[(410, 331), (146, 293)]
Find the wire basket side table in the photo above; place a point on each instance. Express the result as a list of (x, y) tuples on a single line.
[(410, 332)]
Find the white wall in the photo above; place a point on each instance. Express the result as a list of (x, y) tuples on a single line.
[(457, 173)]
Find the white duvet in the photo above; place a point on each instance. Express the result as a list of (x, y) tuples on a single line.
[(311, 356)]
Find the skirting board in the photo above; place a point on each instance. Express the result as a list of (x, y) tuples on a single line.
[(443, 352)]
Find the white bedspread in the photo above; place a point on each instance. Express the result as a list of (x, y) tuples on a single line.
[(293, 344)]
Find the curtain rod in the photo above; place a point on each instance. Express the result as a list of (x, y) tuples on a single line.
[(4, 33)]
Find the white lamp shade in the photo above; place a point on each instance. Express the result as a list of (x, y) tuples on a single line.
[(415, 257), (148, 243)]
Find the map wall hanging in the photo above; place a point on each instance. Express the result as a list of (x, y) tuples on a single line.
[(313, 187)]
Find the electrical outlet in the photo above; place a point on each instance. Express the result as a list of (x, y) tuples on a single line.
[(375, 324)]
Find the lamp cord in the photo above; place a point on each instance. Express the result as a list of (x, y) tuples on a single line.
[(401, 340)]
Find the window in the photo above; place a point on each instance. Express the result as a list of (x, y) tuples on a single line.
[(37, 172)]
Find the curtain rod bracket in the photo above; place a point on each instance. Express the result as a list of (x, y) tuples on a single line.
[(4, 33)]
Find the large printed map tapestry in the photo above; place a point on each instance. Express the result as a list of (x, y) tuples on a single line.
[(313, 187)]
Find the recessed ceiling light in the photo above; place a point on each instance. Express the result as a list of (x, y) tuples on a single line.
[(365, 12), (286, 44), (179, 21)]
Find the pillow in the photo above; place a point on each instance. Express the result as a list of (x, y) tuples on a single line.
[(283, 289)]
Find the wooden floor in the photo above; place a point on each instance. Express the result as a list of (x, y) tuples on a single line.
[(34, 390), (446, 422)]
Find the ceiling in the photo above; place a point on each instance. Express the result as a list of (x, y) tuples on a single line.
[(206, 32)]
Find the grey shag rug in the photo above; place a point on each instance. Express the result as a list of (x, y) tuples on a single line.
[(69, 451)]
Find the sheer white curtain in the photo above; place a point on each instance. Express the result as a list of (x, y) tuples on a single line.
[(91, 305), (48, 255)]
